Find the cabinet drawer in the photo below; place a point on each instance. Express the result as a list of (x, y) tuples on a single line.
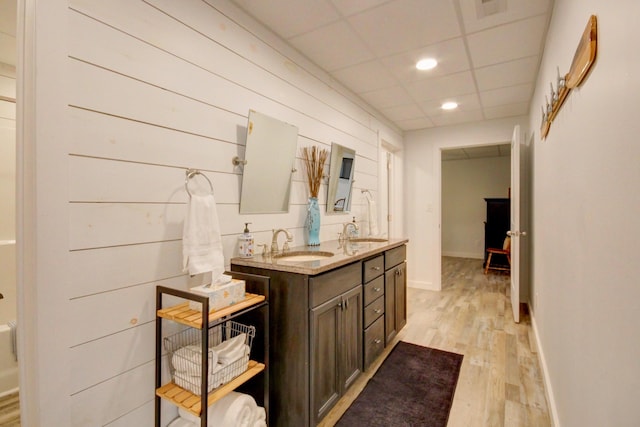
[(329, 285), (394, 256), (373, 290), (372, 268), (373, 341), (373, 311)]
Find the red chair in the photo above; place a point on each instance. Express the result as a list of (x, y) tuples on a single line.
[(506, 250)]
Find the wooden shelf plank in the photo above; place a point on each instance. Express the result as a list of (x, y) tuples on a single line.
[(181, 313), (192, 402)]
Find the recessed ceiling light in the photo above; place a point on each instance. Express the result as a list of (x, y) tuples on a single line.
[(449, 106), (426, 64)]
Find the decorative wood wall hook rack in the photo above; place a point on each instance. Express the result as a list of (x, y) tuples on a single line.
[(583, 59)]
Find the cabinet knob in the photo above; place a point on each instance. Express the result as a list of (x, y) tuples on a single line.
[(377, 341), (377, 289), (375, 268), (377, 311)]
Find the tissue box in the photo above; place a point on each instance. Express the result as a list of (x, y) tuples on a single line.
[(220, 296)]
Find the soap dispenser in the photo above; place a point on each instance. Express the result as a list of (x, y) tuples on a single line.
[(245, 243), (354, 233)]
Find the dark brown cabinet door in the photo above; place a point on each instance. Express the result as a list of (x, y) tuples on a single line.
[(395, 301), (401, 296), (325, 363), (351, 337), (389, 306), (336, 349)]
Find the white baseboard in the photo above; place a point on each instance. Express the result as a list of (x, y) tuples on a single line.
[(551, 401), (463, 254), (428, 286)]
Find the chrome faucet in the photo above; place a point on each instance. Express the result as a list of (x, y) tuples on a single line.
[(274, 240), (345, 227)]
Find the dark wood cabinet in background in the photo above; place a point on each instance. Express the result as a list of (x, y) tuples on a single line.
[(496, 226)]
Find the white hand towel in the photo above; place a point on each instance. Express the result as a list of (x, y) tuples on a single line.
[(201, 241), (233, 410), (372, 213)]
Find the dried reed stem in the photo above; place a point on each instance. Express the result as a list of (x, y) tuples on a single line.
[(314, 160)]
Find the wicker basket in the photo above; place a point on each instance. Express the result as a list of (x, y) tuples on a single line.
[(228, 355)]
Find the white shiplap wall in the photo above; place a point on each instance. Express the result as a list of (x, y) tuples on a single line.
[(156, 87)]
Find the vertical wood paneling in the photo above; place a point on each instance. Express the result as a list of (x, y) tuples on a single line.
[(155, 88)]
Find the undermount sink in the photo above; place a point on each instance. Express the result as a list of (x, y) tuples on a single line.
[(302, 256), (368, 239)]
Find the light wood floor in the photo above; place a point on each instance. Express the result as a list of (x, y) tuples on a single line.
[(500, 380)]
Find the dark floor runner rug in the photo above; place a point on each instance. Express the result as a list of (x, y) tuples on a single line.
[(413, 387)]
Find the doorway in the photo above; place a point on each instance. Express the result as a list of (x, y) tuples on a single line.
[(469, 176)]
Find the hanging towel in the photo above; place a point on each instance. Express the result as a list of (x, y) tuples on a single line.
[(372, 214), (201, 241)]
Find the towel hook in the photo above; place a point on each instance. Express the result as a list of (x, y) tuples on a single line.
[(190, 174)]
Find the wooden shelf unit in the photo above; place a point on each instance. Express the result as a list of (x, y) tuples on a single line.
[(256, 298)]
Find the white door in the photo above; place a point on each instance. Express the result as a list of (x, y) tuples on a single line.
[(514, 229)]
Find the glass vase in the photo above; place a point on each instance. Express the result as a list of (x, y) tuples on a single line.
[(313, 222)]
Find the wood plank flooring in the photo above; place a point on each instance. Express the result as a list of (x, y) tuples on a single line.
[(500, 380)]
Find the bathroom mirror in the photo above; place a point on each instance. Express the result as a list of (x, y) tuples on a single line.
[(270, 156), (341, 169)]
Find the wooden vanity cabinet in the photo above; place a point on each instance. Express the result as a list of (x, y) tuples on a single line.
[(315, 347), (395, 292)]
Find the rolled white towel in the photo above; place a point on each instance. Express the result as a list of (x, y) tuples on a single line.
[(261, 414), (233, 410), (187, 360), (181, 422)]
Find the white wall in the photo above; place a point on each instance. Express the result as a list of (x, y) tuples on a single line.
[(131, 94), (465, 185), (422, 166), (585, 220)]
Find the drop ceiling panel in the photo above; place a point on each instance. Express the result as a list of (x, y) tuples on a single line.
[(457, 117), (507, 73), (413, 124), (515, 10), (507, 42), (387, 97), (511, 110), (320, 46), (289, 18), (440, 88), (465, 103), (506, 96), (403, 112), (451, 56), (366, 77), (350, 7), (402, 25)]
